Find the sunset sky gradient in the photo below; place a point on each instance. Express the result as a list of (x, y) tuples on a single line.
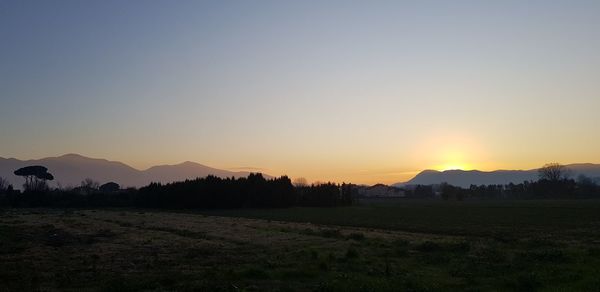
[(354, 91)]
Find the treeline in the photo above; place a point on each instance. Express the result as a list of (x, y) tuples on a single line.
[(210, 192), (554, 183), (582, 188)]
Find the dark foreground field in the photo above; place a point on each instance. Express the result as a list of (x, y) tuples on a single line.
[(406, 246)]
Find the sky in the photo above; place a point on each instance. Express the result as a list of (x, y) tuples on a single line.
[(345, 91)]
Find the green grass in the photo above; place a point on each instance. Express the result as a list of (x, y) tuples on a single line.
[(404, 246), (505, 245), (503, 220)]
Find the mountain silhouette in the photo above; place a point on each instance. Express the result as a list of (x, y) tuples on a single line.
[(71, 169), (465, 178)]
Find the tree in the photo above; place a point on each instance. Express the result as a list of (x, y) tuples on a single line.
[(35, 177), (585, 186), (554, 182), (422, 191), (584, 180), (349, 191), (300, 182), (89, 186), (110, 187), (449, 191), (553, 172), (4, 185)]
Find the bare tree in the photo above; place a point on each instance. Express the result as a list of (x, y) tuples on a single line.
[(3, 184), (90, 184), (553, 172), (300, 182)]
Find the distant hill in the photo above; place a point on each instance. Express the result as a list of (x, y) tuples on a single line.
[(71, 169), (465, 178)]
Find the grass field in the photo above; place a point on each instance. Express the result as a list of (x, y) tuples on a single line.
[(509, 220), (400, 246)]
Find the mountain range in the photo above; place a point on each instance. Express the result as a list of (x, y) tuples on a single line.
[(464, 178), (71, 169)]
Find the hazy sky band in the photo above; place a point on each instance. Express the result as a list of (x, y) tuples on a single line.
[(362, 91)]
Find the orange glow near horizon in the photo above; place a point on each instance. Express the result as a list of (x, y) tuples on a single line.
[(453, 167), (453, 159), (451, 150)]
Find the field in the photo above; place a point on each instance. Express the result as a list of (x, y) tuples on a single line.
[(403, 245)]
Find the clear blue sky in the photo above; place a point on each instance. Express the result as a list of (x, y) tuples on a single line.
[(363, 91)]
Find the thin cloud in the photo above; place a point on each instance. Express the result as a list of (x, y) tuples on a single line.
[(247, 168)]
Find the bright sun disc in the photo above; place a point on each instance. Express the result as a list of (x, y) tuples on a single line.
[(453, 167)]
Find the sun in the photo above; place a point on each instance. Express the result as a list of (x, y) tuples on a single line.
[(453, 159), (451, 149), (453, 166)]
